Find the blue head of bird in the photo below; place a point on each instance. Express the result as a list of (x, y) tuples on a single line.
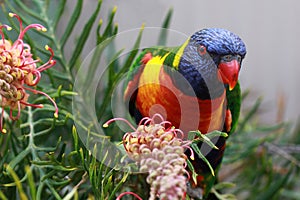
[(211, 60)]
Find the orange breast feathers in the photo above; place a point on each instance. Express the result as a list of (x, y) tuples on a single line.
[(157, 94)]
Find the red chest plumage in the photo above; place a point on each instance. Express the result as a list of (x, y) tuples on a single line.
[(157, 94)]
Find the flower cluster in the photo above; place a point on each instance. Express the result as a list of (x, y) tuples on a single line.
[(18, 70), (158, 148)]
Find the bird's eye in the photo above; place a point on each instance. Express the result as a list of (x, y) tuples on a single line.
[(239, 58), (227, 58), (201, 50)]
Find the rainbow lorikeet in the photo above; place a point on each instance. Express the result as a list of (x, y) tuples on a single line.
[(195, 87)]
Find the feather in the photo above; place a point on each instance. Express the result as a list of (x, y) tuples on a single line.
[(183, 84)]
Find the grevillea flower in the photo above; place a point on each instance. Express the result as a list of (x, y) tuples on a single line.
[(158, 148), (19, 72)]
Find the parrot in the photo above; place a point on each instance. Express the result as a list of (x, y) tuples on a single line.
[(195, 86)]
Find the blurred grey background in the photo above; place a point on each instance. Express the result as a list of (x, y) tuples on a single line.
[(269, 28)]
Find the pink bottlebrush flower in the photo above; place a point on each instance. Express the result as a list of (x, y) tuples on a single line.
[(19, 72), (158, 148)]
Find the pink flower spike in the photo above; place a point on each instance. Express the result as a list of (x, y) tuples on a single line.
[(18, 70), (158, 151)]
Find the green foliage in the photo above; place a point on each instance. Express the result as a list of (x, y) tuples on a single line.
[(39, 157), (257, 162), (42, 157)]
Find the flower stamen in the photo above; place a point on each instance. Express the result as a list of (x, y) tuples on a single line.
[(18, 69), (45, 94), (160, 152)]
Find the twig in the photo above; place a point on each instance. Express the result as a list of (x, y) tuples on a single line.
[(283, 151)]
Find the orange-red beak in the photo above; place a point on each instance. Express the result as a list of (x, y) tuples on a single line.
[(228, 72)]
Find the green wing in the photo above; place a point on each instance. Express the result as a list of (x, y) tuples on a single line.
[(234, 100)]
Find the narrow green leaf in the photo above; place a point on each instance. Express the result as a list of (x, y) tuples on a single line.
[(207, 141), (61, 152), (40, 190), (59, 75), (224, 185), (116, 28), (19, 158), (134, 51), (271, 128), (48, 175), (162, 40), (53, 191), (249, 115), (74, 18), (81, 153), (191, 167), (17, 181), (60, 9), (92, 167), (98, 29), (215, 133), (60, 168), (107, 181), (75, 138), (95, 61), (289, 194), (28, 11), (274, 188), (110, 84), (109, 27), (2, 196), (202, 157), (72, 158), (206, 138), (83, 36), (128, 62), (118, 186), (71, 194), (223, 196), (59, 182), (31, 183), (101, 166), (43, 162), (245, 94)]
